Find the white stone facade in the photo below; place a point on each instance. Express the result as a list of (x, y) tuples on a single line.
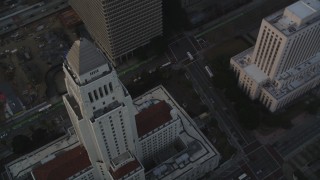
[(285, 61), (99, 106), (118, 133)]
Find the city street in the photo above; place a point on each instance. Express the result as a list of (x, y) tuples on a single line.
[(30, 14), (216, 104), (257, 161), (56, 114)]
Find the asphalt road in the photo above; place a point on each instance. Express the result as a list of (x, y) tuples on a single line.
[(56, 113), (217, 106), (298, 137), (252, 158), (32, 15)]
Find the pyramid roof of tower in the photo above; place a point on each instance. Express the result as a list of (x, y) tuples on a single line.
[(84, 57)]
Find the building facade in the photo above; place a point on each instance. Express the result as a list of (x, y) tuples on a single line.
[(285, 61), (100, 108), (119, 27), (122, 136)]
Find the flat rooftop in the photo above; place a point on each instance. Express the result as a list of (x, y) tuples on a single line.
[(24, 164), (152, 117), (199, 148), (255, 73), (74, 105), (302, 71), (301, 9), (242, 59), (64, 166), (126, 169), (296, 16)]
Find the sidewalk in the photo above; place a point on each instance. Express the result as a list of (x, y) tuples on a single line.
[(127, 64), (231, 16), (133, 67)]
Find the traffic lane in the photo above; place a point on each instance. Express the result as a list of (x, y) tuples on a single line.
[(218, 116), (26, 113), (34, 15), (180, 48), (298, 136), (204, 82), (261, 163), (45, 116), (247, 137), (233, 175), (157, 62)]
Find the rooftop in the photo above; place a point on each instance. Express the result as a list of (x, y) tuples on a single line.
[(152, 117), (126, 169), (69, 18), (199, 150), (24, 164), (84, 57), (64, 166), (297, 76), (243, 58), (255, 73), (295, 16), (300, 9), (74, 105)]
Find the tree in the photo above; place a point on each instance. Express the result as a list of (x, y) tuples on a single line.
[(21, 144), (174, 16), (140, 53), (159, 45), (3, 142), (39, 136), (313, 106), (299, 175)]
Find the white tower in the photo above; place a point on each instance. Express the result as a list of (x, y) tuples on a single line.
[(100, 108)]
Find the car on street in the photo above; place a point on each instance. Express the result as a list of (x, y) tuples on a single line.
[(3, 135)]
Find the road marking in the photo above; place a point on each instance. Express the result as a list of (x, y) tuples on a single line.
[(192, 45), (173, 54)]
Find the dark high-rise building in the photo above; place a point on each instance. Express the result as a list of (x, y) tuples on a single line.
[(119, 27)]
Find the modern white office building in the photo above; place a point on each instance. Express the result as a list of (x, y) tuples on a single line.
[(119, 27), (148, 138), (285, 61)]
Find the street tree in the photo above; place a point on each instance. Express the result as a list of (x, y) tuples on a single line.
[(21, 144)]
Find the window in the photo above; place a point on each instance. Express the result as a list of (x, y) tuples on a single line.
[(90, 97), (110, 87), (100, 91), (105, 89), (95, 94)]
